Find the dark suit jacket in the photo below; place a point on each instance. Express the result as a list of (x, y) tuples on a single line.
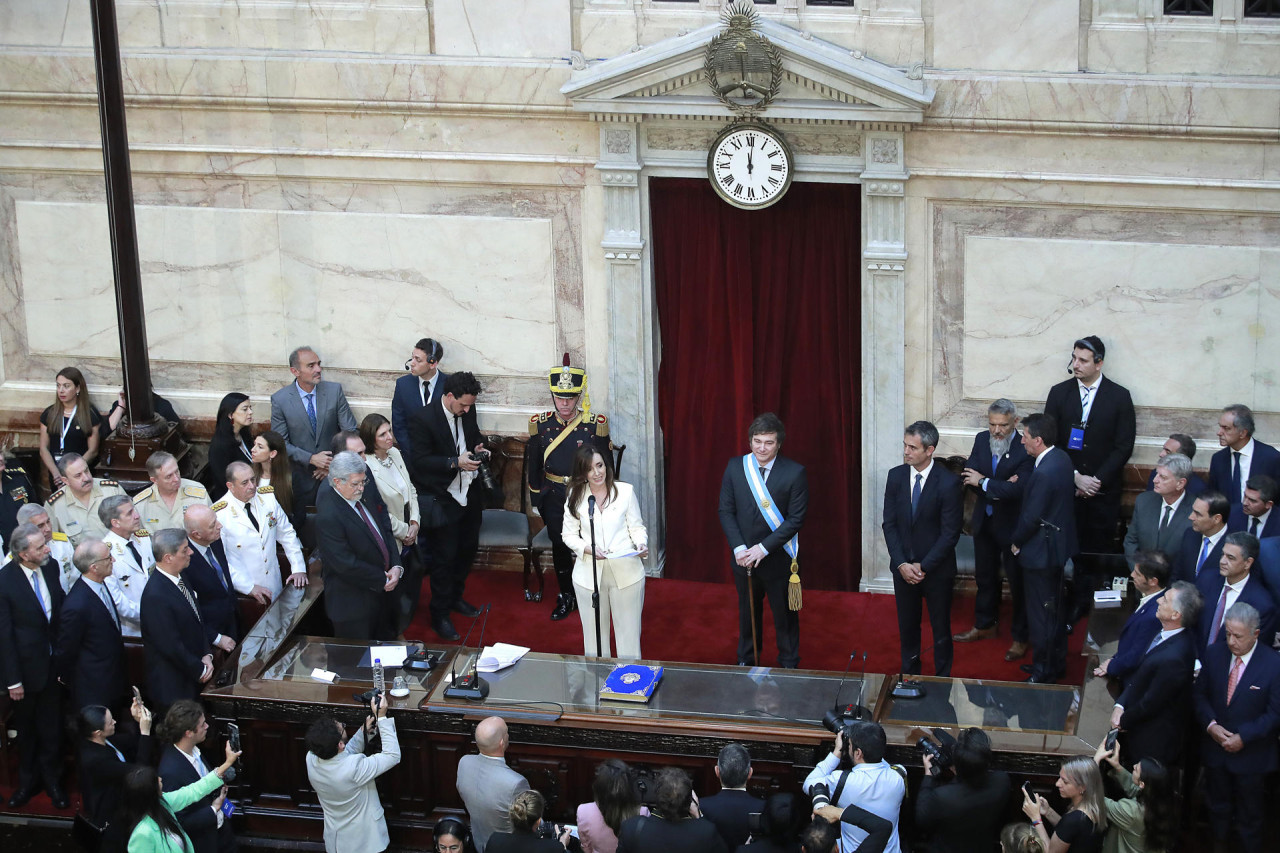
[(1108, 439), (175, 641), (431, 465), (17, 493), (91, 649), (728, 810), (406, 400), (1139, 630), (1268, 567), (654, 835), (1144, 528), (289, 418), (962, 818), (1239, 521), (1254, 712), (930, 538), (217, 603), (27, 639), (1002, 496), (521, 842), (741, 520), (102, 774), (1266, 460), (1157, 700), (1047, 500), (1195, 483), (1184, 564), (1254, 593), (198, 819), (353, 567)]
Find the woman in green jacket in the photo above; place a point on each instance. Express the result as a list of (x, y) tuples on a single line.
[(1145, 821), (148, 812)]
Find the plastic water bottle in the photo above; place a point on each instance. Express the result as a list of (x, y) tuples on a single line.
[(379, 679)]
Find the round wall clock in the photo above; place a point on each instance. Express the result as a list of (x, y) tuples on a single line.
[(750, 165)]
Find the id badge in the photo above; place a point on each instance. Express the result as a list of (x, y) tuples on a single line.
[(1076, 442)]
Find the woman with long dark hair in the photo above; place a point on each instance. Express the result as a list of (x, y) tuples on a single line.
[(270, 459), (1083, 826), (621, 542), (232, 438), (149, 816), (70, 424), (1145, 821), (614, 800), (396, 487), (102, 763)]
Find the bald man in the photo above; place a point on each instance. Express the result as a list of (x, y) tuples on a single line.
[(487, 785), (209, 574)]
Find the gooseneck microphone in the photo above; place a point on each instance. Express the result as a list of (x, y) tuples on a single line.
[(841, 715), (470, 685)]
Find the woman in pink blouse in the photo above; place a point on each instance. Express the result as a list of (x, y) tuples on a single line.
[(616, 800)]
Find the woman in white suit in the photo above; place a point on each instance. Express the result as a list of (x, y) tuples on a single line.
[(621, 544), (392, 477)]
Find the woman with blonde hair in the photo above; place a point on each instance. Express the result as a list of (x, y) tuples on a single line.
[(1020, 838), (70, 424), (1084, 825)]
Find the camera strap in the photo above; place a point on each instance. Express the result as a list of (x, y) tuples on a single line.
[(835, 795)]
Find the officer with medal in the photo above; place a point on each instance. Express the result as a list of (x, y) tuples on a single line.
[(554, 438), (15, 491), (253, 523), (73, 509), (163, 504)]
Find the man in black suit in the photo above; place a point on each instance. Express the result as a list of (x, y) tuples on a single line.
[(966, 813), (361, 559), (1202, 544), (728, 809), (1150, 577), (997, 470), (1241, 456), (1162, 515), (1233, 582), (181, 764), (1237, 705), (30, 609), (1043, 541), (1096, 427), (1253, 514), (178, 656), (444, 439), (923, 513), (669, 828), (1180, 442), (1152, 710), (762, 564), (421, 386), (90, 643), (209, 575)]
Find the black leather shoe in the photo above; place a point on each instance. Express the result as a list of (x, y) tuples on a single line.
[(1036, 679), (444, 627), (22, 796), (468, 610), (565, 604), (58, 796), (1026, 667)]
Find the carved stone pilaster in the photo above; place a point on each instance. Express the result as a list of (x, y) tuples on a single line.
[(633, 365)]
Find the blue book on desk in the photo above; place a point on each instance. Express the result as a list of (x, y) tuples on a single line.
[(631, 682)]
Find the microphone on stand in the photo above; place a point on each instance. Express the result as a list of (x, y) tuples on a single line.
[(841, 715), (470, 685), (595, 578)]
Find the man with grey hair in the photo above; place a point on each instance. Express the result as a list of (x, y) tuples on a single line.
[(1180, 442), (73, 509), (90, 644), (997, 471), (1160, 517), (176, 640), (306, 413), (1241, 456), (1237, 706), (60, 547), (253, 523), (729, 809), (130, 546), (162, 503), (361, 557)]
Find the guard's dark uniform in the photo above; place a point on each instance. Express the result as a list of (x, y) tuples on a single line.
[(549, 472), (15, 490)]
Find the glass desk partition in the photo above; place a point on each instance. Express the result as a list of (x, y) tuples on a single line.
[(991, 705)]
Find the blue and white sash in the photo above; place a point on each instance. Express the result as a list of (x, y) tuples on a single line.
[(767, 509)]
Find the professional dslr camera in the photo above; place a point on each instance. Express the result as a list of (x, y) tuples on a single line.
[(941, 754), (493, 491)]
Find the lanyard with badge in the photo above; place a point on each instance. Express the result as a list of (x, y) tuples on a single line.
[(1076, 440), (67, 421)]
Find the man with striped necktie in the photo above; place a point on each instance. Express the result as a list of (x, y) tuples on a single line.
[(179, 659)]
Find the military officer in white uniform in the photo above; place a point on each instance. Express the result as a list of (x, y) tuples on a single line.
[(73, 509), (252, 524), (132, 562), (60, 547), (163, 503)]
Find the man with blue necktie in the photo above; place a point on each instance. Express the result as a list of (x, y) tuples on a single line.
[(90, 640), (1201, 547), (307, 413), (209, 574), (1150, 578)]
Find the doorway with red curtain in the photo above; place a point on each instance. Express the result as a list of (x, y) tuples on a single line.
[(758, 312)]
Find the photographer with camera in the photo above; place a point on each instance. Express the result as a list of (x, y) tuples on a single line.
[(346, 780), (529, 832), (855, 773), (964, 814)]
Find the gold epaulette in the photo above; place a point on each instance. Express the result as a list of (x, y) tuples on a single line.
[(602, 426), (266, 490), (145, 494), (194, 491), (16, 469), (533, 425), (53, 497), (59, 537), (142, 532), (219, 505), (108, 483)]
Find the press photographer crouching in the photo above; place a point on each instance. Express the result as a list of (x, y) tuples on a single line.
[(964, 814), (530, 833), (855, 773)]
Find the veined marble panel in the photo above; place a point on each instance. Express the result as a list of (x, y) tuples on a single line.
[(503, 28), (1007, 35)]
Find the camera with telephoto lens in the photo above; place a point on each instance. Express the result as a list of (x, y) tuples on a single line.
[(821, 795), (942, 756)]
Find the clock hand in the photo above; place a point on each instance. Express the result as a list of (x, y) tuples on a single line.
[(750, 168)]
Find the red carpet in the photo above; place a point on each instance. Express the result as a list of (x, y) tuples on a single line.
[(697, 622)]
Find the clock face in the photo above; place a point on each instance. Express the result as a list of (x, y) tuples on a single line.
[(750, 166)]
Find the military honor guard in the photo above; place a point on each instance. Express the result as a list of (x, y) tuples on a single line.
[(253, 522), (73, 509), (15, 492), (554, 439), (163, 503), (131, 560)]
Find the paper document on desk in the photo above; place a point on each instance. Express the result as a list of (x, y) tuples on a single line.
[(500, 656)]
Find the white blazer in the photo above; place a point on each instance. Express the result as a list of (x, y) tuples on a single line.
[(619, 528), (346, 786), (396, 498)]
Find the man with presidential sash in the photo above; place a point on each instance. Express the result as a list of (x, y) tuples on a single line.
[(554, 439), (763, 499)]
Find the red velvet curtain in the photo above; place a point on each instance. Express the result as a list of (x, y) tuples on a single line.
[(758, 312)]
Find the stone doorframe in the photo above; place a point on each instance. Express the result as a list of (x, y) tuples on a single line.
[(846, 117)]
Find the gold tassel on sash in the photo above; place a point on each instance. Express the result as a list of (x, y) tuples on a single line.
[(795, 598)]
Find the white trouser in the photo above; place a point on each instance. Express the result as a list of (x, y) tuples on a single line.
[(623, 605)]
